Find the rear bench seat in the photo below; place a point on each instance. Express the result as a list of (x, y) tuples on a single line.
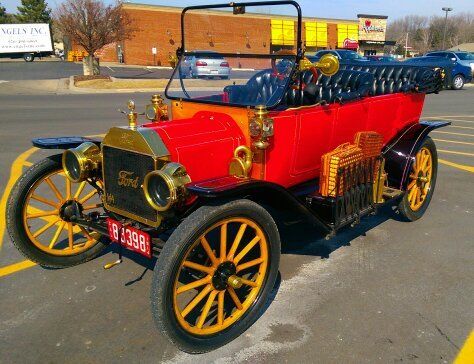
[(352, 82)]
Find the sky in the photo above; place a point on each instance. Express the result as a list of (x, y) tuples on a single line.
[(342, 9)]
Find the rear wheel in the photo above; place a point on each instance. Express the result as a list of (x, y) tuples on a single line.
[(37, 216), (28, 57), (214, 275), (422, 181)]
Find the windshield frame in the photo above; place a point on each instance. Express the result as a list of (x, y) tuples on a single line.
[(181, 53)]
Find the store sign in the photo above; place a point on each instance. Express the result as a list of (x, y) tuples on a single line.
[(350, 43), (372, 29)]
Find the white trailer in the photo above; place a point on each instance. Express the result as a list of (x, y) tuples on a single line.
[(25, 40)]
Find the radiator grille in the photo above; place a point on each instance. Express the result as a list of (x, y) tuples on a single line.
[(127, 196)]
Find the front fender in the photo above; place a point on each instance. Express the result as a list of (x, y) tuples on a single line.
[(400, 152), (272, 194), (62, 142)]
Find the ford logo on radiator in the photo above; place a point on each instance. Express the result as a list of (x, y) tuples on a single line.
[(126, 179)]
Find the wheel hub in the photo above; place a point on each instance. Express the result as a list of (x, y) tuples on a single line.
[(224, 276), (70, 210)]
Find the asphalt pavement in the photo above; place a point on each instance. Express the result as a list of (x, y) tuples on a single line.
[(385, 291)]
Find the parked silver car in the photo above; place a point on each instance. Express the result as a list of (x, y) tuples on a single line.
[(197, 66)]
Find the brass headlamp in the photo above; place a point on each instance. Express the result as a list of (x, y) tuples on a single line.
[(261, 127), (166, 187), (157, 110), (82, 162)]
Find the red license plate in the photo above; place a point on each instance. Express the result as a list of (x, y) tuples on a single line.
[(129, 237)]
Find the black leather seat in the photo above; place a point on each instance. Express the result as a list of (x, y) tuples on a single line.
[(260, 89), (391, 78), (345, 85)]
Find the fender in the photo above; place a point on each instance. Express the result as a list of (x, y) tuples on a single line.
[(400, 152), (271, 193), (62, 142)]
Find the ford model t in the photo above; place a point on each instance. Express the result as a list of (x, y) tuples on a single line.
[(199, 184)]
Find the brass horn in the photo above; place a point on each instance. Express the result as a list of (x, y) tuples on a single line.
[(327, 64)]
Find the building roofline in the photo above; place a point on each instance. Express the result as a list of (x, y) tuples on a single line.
[(176, 9), (372, 16)]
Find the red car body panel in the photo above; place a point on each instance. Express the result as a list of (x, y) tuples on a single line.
[(205, 143)]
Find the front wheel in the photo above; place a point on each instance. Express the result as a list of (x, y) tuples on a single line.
[(422, 181), (37, 216), (214, 275), (458, 82)]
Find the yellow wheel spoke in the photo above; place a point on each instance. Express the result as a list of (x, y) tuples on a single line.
[(196, 300), (70, 235), (205, 310), (86, 233), (44, 228), (220, 307), (55, 189), (80, 189), (249, 264), (45, 201), (223, 246), (210, 253), (195, 284), (199, 267), (412, 183), (68, 189), (245, 250), (88, 196), (236, 242), (56, 234), (248, 283), (90, 207), (42, 214), (234, 297)]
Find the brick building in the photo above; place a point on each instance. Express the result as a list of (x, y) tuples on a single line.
[(158, 34)]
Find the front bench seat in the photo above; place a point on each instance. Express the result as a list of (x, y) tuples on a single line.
[(345, 85)]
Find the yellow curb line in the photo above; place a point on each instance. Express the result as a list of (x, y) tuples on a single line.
[(458, 166), (13, 268), (15, 172), (466, 354)]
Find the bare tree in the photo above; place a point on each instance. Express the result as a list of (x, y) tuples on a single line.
[(93, 25)]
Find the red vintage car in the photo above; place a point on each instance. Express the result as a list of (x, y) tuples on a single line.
[(199, 186)]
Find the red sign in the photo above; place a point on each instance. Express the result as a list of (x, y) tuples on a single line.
[(350, 43), (129, 237)]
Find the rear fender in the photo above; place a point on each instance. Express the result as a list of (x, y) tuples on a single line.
[(271, 194), (400, 152), (62, 142)]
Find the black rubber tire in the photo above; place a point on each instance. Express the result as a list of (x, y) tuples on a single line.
[(461, 78), (15, 227), (28, 57), (172, 254), (404, 207)]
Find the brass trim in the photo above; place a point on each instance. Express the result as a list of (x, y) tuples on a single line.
[(89, 157), (327, 64), (241, 166)]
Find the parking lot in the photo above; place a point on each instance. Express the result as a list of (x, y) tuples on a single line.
[(384, 291)]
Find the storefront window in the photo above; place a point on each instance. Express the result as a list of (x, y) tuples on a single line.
[(316, 34), (347, 36)]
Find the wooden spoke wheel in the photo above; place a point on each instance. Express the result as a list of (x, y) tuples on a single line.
[(214, 275), (421, 182), (39, 216)]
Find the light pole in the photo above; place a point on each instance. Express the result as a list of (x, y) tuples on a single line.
[(447, 10)]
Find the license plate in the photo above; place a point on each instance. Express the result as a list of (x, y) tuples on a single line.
[(215, 72), (129, 237)]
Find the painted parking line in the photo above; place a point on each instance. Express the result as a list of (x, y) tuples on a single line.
[(15, 173), (456, 165), (455, 152), (466, 354), (13, 268), (452, 133), (452, 141)]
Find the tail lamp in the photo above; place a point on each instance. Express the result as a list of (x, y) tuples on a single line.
[(166, 187), (224, 64), (82, 162), (201, 64)]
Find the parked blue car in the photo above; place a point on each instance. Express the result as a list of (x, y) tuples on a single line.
[(457, 73)]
